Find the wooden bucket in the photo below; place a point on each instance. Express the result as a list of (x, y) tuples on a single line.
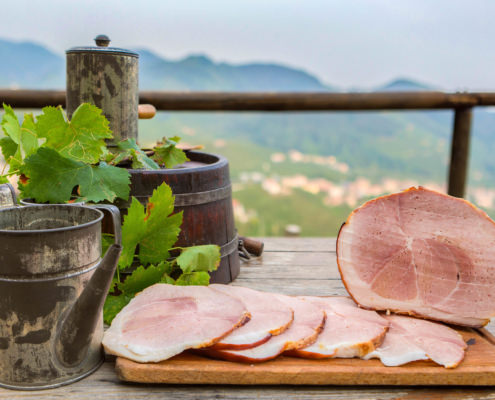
[(203, 191)]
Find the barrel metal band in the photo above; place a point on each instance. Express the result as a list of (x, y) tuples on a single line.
[(228, 248), (191, 199)]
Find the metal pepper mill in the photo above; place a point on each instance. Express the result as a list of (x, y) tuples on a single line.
[(108, 78)]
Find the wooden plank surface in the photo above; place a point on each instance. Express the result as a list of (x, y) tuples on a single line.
[(478, 368), (319, 279)]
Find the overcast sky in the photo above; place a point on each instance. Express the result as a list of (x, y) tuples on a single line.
[(347, 43)]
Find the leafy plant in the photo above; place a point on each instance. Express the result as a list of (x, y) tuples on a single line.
[(58, 159), (148, 236)]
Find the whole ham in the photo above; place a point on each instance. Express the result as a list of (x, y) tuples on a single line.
[(410, 339), (309, 320), (164, 320), (421, 253), (349, 331), (269, 317)]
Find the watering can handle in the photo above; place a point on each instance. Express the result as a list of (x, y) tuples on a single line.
[(7, 196), (115, 213)]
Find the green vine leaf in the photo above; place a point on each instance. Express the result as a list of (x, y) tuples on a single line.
[(20, 141), (153, 228), (139, 159), (193, 278), (81, 139), (52, 178), (104, 182), (199, 258), (142, 277), (162, 228), (168, 154), (133, 230), (113, 305), (10, 124)]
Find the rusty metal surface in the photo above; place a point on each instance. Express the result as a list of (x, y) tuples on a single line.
[(53, 284), (7, 196), (108, 78)]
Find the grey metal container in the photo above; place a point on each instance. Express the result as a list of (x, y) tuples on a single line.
[(52, 287), (108, 78)]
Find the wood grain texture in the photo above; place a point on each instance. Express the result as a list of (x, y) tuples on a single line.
[(478, 369), (104, 383)]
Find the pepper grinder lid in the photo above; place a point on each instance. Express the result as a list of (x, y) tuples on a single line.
[(102, 46)]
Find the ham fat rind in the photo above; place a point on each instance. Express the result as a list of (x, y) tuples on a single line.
[(164, 320), (309, 320), (410, 339), (422, 253), (349, 331), (269, 317)]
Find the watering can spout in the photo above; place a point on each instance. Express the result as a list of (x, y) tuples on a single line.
[(78, 327)]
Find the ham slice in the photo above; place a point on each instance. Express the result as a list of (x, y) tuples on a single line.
[(422, 253), (164, 320), (269, 316), (349, 331), (308, 323), (410, 339)]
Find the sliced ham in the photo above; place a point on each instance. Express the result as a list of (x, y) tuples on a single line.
[(309, 320), (410, 339), (349, 331), (269, 316), (422, 253), (164, 320)]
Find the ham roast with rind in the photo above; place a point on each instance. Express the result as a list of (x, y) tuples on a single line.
[(422, 253), (164, 320)]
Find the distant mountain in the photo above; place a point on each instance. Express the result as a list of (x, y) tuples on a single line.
[(198, 72), (404, 85), (406, 144), (30, 65)]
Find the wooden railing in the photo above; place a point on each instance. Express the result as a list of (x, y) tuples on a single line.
[(461, 103)]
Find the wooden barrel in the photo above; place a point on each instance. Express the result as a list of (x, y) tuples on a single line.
[(203, 191)]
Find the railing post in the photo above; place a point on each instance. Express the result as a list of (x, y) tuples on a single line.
[(459, 154)]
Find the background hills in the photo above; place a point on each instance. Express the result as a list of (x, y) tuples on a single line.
[(305, 168)]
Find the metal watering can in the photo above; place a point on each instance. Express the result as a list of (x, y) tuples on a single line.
[(53, 284)]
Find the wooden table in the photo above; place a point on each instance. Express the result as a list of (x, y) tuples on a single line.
[(289, 265)]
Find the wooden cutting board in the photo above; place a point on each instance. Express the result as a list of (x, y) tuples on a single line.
[(478, 368)]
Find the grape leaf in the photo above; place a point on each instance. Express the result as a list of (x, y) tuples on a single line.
[(199, 258), (193, 278), (142, 277), (10, 124), (3, 179), (29, 136), (133, 230), (169, 155), (21, 141), (113, 305), (80, 139), (153, 228), (8, 146), (52, 178), (138, 157), (107, 239), (104, 182), (167, 279), (162, 229)]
